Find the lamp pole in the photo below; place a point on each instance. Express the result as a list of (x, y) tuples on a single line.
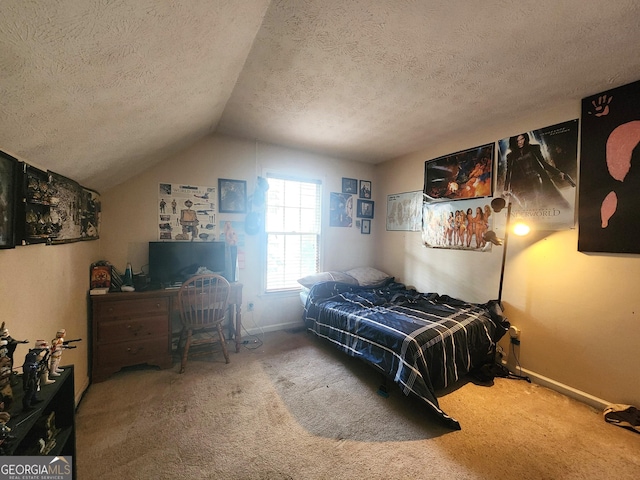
[(504, 251)]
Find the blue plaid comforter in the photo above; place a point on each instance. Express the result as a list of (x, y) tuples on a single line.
[(425, 342)]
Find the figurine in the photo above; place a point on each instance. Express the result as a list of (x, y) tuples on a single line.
[(48, 427), (57, 345), (6, 392), (56, 353), (11, 342), (5, 439), (30, 379), (42, 355), (4, 354)]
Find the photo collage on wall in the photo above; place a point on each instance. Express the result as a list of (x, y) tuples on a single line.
[(341, 207), (38, 206)]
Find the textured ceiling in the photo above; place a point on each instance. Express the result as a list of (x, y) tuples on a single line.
[(100, 90)]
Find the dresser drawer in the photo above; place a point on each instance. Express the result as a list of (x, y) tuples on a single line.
[(120, 330), (131, 353), (132, 307)]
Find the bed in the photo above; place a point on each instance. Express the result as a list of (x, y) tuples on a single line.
[(424, 342)]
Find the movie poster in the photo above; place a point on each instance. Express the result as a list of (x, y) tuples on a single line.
[(186, 212), (537, 171), (462, 175), (609, 214)]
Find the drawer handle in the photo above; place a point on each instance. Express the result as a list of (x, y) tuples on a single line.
[(136, 351), (135, 329)]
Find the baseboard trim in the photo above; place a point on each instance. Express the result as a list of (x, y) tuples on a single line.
[(571, 392), (83, 390)]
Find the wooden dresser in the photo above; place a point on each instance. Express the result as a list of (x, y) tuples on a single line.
[(131, 328), (128, 329)]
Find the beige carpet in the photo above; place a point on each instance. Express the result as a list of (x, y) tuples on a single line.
[(297, 408)]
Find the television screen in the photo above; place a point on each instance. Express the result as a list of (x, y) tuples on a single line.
[(171, 263)]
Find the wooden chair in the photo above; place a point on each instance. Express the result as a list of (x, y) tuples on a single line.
[(203, 301)]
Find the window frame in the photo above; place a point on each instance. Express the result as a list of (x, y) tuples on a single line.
[(265, 234)]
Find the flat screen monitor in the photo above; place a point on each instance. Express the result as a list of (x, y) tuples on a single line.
[(171, 263)]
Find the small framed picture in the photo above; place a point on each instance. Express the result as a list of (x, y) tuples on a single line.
[(100, 275), (365, 189), (349, 185), (232, 196), (366, 227), (365, 209)]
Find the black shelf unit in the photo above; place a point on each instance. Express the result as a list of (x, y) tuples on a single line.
[(27, 426)]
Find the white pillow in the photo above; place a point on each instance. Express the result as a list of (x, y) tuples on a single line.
[(330, 276), (367, 276)]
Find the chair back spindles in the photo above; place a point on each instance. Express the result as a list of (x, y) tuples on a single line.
[(203, 301)]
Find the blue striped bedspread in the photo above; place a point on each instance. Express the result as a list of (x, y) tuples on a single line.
[(425, 342)]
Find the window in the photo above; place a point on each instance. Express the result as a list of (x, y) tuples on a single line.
[(292, 226)]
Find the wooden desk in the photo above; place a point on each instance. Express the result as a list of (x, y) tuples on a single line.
[(129, 328)]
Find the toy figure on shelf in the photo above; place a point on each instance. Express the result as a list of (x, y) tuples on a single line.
[(5, 361), (30, 380), (11, 344), (42, 354), (48, 428), (5, 439), (58, 344), (6, 392)]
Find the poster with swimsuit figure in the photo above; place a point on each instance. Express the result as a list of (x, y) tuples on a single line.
[(609, 213), (537, 172)]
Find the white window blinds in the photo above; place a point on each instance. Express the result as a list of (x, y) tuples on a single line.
[(292, 227)]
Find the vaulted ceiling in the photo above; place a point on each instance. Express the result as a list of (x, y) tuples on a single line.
[(100, 90)]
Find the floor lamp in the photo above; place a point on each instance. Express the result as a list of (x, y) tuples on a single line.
[(497, 205)]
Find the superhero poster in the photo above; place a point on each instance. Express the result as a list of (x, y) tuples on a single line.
[(609, 214), (537, 174)]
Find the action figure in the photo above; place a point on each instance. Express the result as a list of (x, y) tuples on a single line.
[(56, 353), (5, 361), (30, 380), (57, 345), (42, 355), (12, 343), (6, 392), (5, 439)]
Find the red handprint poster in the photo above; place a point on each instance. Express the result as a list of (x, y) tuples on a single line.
[(609, 198)]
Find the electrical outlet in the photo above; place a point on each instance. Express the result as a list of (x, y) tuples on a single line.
[(250, 306), (514, 332)]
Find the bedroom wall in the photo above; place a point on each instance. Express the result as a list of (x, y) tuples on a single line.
[(44, 288), (578, 312), (130, 211)]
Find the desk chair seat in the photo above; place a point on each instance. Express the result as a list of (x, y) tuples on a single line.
[(203, 301)]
